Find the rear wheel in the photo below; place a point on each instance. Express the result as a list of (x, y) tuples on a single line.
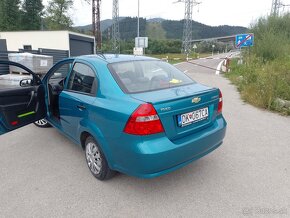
[(42, 123), (96, 160)]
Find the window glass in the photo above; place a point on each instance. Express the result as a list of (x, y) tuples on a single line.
[(27, 47), (62, 71), (82, 79), (143, 76), (58, 76)]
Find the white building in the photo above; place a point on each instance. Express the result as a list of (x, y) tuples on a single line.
[(75, 43)]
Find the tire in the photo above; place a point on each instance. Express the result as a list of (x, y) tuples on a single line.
[(96, 160), (42, 123)]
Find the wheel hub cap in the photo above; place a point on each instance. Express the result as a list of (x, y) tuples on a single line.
[(94, 159), (41, 122)]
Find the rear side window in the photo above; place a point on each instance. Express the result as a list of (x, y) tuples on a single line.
[(144, 76), (82, 79)]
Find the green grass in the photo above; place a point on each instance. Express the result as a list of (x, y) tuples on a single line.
[(260, 84), (178, 57)]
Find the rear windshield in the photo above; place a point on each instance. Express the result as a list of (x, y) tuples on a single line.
[(144, 76)]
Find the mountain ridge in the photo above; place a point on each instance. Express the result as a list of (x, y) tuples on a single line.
[(159, 28)]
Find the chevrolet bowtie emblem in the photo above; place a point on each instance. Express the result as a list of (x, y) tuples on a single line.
[(196, 100)]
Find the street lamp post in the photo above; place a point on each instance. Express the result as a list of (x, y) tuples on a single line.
[(138, 22), (213, 46)]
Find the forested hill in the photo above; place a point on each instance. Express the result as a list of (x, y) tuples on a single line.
[(158, 28), (174, 30)]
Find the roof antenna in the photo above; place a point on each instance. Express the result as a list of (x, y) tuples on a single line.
[(101, 54)]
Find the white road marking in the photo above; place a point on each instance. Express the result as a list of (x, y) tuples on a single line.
[(219, 67), (179, 63)]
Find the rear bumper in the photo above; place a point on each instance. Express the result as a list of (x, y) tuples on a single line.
[(158, 155)]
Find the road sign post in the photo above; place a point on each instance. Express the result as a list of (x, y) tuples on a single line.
[(141, 42), (138, 51), (244, 40), (194, 47)]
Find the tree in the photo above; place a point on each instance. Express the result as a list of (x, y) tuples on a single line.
[(58, 17), (32, 12), (9, 15)]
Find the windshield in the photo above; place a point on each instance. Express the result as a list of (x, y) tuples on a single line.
[(144, 76)]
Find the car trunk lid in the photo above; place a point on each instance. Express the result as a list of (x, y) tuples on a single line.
[(183, 110)]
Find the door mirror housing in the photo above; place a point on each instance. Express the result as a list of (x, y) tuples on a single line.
[(25, 82)]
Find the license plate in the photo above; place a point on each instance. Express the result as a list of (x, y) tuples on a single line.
[(192, 117)]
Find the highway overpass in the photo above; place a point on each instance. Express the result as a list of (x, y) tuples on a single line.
[(220, 39)]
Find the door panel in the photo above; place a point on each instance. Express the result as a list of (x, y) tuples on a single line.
[(20, 106), (55, 80), (75, 101), (74, 107)]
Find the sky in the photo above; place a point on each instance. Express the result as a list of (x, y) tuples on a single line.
[(210, 12)]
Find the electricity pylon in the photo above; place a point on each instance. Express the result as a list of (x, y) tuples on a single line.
[(275, 7), (115, 27), (187, 27), (96, 24)]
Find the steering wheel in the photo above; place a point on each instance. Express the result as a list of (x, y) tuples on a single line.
[(62, 82), (78, 79)]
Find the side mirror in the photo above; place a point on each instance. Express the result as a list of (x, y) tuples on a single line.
[(25, 82)]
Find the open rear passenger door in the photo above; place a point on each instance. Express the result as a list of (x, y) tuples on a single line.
[(21, 103)]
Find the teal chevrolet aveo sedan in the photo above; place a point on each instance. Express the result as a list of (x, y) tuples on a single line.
[(135, 115)]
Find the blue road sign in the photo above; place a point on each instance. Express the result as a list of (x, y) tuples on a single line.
[(244, 40)]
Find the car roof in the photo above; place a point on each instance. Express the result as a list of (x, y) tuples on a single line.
[(115, 58)]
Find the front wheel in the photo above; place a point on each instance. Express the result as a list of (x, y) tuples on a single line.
[(96, 160), (42, 123)]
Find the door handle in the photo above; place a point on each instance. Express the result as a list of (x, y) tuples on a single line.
[(32, 96), (81, 107)]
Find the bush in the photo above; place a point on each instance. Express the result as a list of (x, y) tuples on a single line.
[(164, 46), (264, 78), (272, 36)]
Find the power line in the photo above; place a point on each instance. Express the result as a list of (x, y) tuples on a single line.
[(284, 6)]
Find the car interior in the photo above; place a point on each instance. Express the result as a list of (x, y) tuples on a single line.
[(56, 84), (142, 76), (82, 83)]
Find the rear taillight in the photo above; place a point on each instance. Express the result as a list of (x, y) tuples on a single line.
[(220, 105), (144, 121)]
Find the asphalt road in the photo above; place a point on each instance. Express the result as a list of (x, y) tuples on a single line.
[(43, 174)]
